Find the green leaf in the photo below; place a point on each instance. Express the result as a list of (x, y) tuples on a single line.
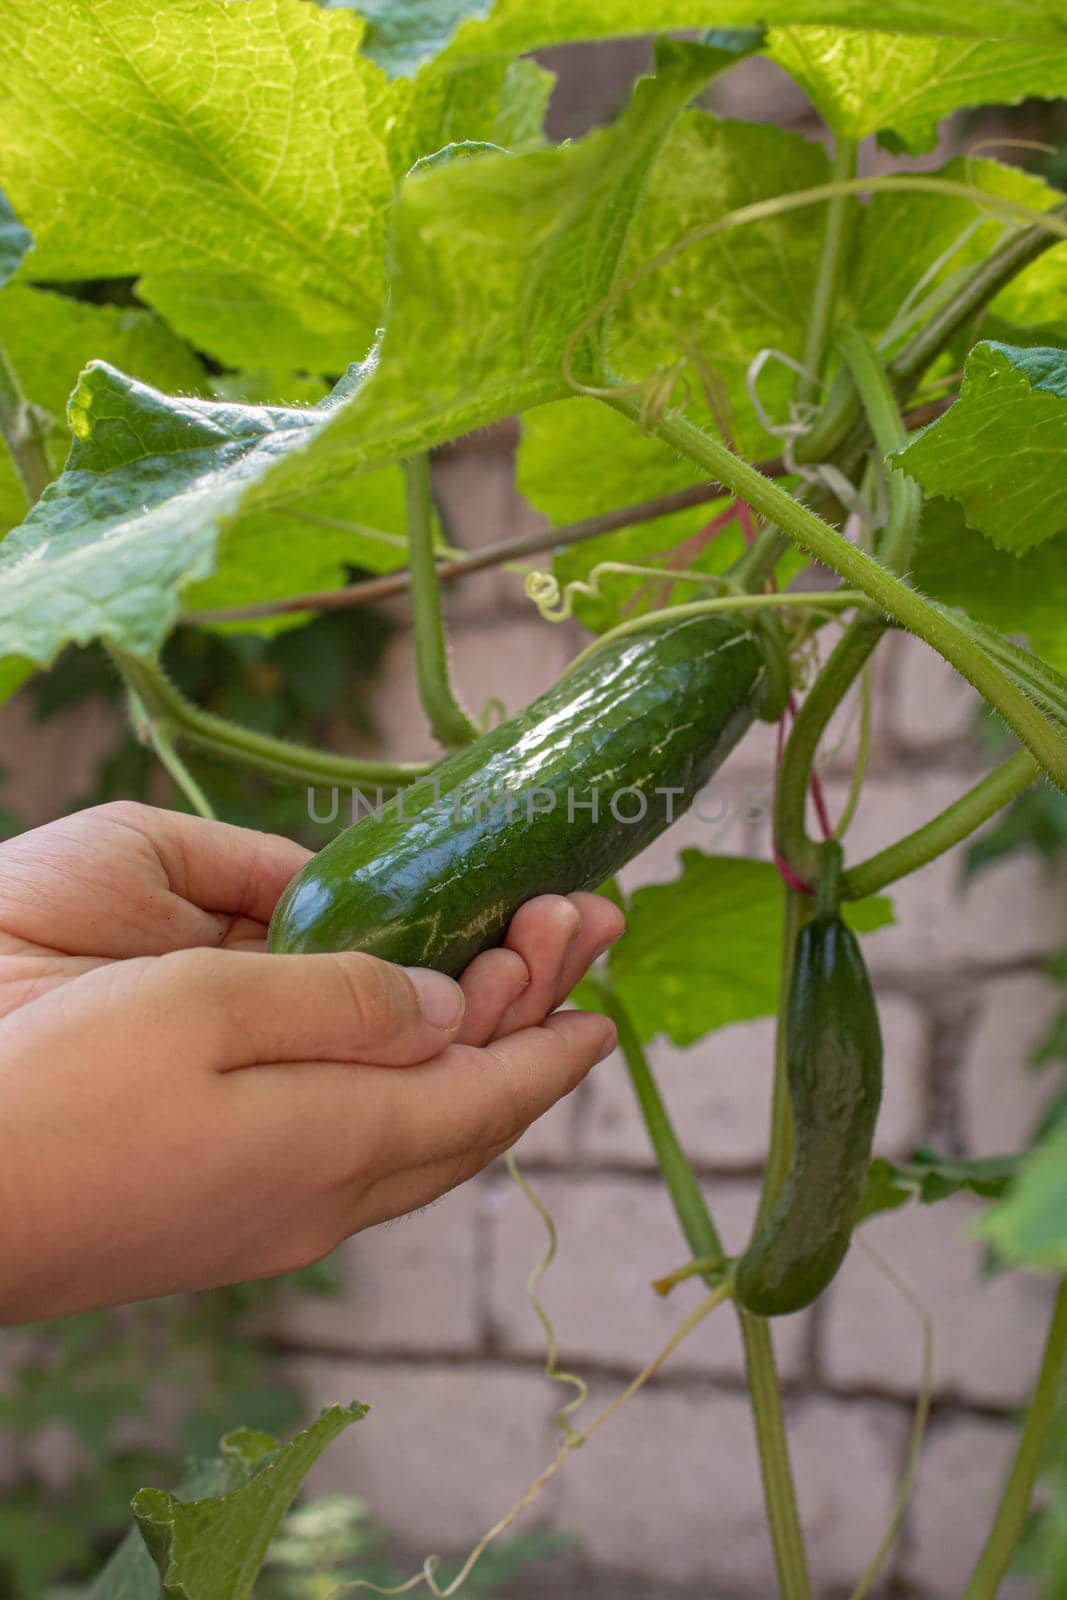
[(1019, 594), (15, 241), (698, 950), (928, 1178), (514, 26), (495, 102), (577, 457), (866, 82), (1001, 449), (137, 516), (48, 338), (232, 156), (130, 1572), (497, 259), (1029, 1228), (212, 1549)]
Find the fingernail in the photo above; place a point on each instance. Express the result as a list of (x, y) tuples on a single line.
[(611, 1039), (603, 948), (441, 1001)]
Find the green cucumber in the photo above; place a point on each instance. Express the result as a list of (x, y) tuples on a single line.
[(634, 730), (834, 1068)]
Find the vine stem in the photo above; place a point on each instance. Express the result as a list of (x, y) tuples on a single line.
[(167, 708), (1014, 1502), (169, 757), (905, 605), (950, 827), (830, 272), (24, 427), (447, 718), (702, 1236), (859, 640)]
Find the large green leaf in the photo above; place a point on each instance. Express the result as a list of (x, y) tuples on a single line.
[(700, 951), (497, 259), (151, 485), (496, 102), (1015, 593), (15, 241), (516, 25), (48, 338), (867, 82), (718, 304), (1029, 1227), (1001, 449), (212, 1549), (231, 155)]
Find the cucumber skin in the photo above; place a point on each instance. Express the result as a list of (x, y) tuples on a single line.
[(412, 885), (834, 1071)]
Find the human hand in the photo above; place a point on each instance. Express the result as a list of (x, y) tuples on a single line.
[(180, 1109)]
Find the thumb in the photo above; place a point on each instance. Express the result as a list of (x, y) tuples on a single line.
[(337, 1007)]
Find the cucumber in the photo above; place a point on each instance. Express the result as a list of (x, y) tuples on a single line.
[(555, 799), (834, 1070)]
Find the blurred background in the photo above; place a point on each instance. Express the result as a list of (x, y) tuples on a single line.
[(428, 1319)]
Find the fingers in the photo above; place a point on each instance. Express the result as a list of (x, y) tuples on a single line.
[(129, 880), (256, 1008), (559, 939), (483, 1099), (491, 982), (214, 865)]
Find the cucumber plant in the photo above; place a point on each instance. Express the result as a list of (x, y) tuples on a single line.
[(260, 257)]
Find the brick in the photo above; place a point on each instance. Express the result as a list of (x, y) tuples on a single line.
[(929, 706), (480, 506), (1001, 1097), (671, 1489), (409, 1286), (718, 1092), (615, 1236), (847, 1463), (551, 1137), (956, 1491), (988, 1331), (445, 1451), (513, 660)]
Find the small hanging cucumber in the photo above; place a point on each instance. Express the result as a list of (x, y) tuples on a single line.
[(834, 1069), (553, 800)]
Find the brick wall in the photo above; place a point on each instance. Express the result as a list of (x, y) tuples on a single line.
[(435, 1329)]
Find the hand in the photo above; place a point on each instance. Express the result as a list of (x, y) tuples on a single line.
[(180, 1109)]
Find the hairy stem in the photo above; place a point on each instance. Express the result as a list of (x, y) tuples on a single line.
[(950, 827), (884, 588), (24, 428), (447, 718), (168, 708), (832, 262), (890, 433), (842, 412), (1014, 1503)]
